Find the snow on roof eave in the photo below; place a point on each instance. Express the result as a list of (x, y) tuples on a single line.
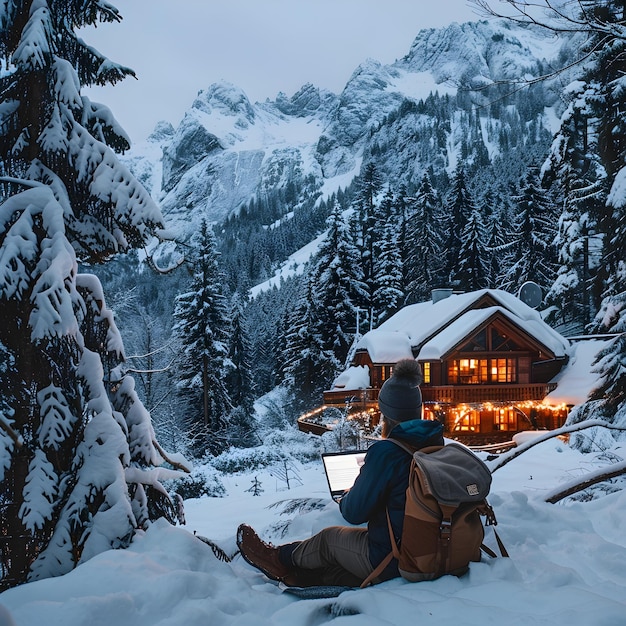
[(576, 381), (385, 347), (440, 346)]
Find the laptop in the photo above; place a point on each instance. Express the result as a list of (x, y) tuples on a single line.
[(341, 469)]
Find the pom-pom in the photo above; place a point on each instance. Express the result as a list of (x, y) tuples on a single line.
[(409, 370)]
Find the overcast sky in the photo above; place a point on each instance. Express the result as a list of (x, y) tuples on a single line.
[(264, 46)]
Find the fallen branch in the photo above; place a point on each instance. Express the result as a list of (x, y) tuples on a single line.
[(593, 478), (565, 430)]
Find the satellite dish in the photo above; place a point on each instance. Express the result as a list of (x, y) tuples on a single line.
[(530, 294)]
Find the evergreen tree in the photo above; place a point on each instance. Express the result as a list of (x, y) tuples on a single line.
[(203, 327), (401, 211), (367, 224), (472, 272), (76, 444), (240, 381), (611, 392), (575, 169), (423, 258), (309, 366), (531, 255), (388, 294), (496, 222), (339, 289), (457, 208)]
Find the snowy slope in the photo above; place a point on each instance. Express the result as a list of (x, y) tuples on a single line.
[(566, 566)]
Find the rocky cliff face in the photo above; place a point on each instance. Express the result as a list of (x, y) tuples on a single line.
[(228, 150)]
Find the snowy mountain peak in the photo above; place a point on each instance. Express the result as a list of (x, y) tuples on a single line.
[(226, 99), (477, 53), (308, 100), (163, 131)]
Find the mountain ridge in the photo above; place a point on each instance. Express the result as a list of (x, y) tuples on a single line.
[(227, 151)]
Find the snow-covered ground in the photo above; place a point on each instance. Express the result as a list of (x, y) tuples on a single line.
[(567, 563)]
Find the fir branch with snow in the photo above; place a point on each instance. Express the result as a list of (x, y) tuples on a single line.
[(66, 451)]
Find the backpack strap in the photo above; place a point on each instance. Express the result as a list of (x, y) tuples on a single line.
[(487, 511), (395, 553), (488, 551), (408, 449)]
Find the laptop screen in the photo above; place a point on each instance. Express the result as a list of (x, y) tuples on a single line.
[(341, 469)]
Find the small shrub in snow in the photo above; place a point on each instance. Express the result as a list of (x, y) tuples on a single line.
[(301, 446), (202, 481), (278, 445), (238, 460)]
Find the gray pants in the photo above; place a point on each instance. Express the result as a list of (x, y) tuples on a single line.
[(338, 555)]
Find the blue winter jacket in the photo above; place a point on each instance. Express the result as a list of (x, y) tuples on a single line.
[(381, 485)]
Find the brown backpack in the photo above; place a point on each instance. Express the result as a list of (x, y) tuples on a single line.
[(443, 531)]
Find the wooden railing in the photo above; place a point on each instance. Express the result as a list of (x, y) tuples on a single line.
[(468, 394), (356, 397), (450, 394)]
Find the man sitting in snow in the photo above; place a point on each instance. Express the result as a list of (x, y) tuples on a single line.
[(342, 555)]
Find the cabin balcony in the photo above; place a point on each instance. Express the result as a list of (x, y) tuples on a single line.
[(478, 394), (359, 399)]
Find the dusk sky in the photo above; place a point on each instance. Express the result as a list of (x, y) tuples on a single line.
[(179, 48)]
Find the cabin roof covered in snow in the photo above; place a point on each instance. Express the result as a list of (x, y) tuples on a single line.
[(576, 381), (432, 328)]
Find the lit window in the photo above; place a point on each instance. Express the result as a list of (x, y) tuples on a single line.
[(503, 370), (465, 420), (426, 370), (505, 419), (476, 371)]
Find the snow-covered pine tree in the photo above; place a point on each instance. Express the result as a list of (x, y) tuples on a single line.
[(366, 224), (611, 393), (574, 168), (77, 450), (423, 264), (496, 222), (308, 367), (471, 272), (457, 207), (388, 294), (338, 288), (239, 379), (531, 255), (203, 328)]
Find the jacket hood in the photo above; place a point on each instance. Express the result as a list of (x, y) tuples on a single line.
[(418, 433)]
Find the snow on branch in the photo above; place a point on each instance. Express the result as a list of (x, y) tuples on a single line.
[(153, 265), (105, 72), (6, 427), (592, 478), (175, 460), (44, 265), (509, 456), (35, 48)]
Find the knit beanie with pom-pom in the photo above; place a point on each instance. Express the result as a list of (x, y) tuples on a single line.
[(400, 398)]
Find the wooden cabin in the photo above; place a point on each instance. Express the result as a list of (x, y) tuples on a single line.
[(488, 362)]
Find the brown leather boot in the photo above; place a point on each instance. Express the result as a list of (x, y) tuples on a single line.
[(263, 556)]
